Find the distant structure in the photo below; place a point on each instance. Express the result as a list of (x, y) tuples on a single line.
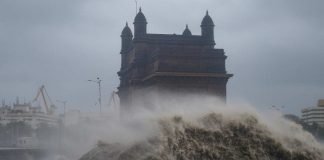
[(24, 112), (31, 115), (183, 63), (314, 114)]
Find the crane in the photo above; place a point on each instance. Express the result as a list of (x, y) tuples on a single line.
[(113, 103), (49, 106)]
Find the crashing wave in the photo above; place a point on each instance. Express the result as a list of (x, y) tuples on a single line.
[(214, 136)]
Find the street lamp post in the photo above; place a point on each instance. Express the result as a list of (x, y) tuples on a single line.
[(98, 81)]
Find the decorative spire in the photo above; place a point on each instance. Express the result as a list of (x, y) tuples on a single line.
[(207, 29), (127, 31), (140, 18), (126, 37), (186, 32), (207, 21), (140, 24)]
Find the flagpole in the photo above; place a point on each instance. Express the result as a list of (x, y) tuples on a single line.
[(136, 6)]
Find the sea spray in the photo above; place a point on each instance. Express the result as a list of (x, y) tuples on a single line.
[(203, 129)]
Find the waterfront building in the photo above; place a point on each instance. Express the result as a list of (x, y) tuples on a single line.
[(178, 63), (312, 115)]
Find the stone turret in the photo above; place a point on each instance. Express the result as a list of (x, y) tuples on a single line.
[(126, 37), (140, 24), (207, 29)]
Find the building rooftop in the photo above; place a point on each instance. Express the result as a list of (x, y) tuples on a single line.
[(320, 103)]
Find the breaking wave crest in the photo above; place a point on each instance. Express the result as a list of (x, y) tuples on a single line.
[(215, 135)]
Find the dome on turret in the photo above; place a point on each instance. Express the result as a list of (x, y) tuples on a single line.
[(127, 31), (187, 32), (207, 21), (140, 18)]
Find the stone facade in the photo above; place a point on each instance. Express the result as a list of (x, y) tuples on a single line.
[(182, 63)]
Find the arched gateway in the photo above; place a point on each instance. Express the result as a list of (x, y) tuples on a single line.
[(169, 62)]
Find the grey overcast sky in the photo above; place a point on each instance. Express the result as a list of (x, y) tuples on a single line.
[(274, 47)]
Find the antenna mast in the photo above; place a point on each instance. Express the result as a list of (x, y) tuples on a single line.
[(136, 6)]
